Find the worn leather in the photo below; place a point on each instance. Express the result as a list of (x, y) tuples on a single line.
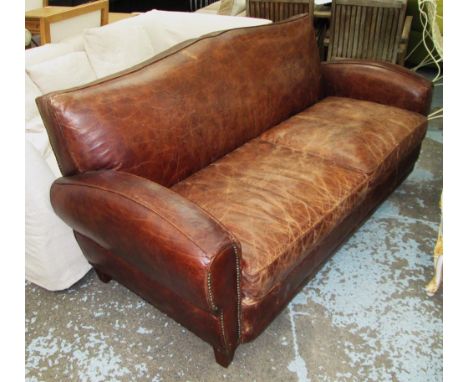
[(379, 82), (256, 315), (153, 121), (204, 324), (172, 189), (278, 202), (358, 135), (146, 224)]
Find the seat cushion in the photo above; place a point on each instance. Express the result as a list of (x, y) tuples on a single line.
[(358, 135), (278, 203)]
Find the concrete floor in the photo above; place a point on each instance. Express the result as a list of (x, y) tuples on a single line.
[(364, 317)]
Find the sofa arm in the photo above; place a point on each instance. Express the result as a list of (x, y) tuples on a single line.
[(154, 229), (379, 82)]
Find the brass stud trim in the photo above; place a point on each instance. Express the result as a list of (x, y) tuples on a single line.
[(238, 286), (213, 306), (215, 309)]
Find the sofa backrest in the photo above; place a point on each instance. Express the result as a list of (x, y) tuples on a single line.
[(182, 110)]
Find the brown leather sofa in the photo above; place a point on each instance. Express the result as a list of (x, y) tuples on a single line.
[(214, 179)]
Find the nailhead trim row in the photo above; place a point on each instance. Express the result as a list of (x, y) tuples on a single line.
[(215, 309), (238, 279)]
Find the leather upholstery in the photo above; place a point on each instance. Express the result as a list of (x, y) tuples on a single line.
[(377, 82), (278, 202), (172, 190), (204, 324), (256, 315), (146, 224), (177, 103), (358, 135)]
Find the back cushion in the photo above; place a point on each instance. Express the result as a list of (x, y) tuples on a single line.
[(69, 70), (114, 47), (175, 114)]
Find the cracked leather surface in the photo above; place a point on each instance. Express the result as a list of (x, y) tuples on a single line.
[(190, 119), (280, 194), (358, 135), (171, 116), (277, 202)]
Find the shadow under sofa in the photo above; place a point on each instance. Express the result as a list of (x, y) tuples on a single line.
[(214, 179)]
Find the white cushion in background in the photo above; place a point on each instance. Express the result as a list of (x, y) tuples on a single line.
[(239, 6), (212, 8), (231, 7), (53, 259), (31, 93), (116, 47), (75, 42), (37, 136), (47, 52), (72, 69), (167, 29)]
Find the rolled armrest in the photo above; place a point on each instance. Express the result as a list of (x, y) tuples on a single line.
[(154, 229), (379, 82)]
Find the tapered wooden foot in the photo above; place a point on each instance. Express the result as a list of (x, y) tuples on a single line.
[(223, 358), (102, 276)]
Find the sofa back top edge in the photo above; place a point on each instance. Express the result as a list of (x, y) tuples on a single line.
[(181, 110)]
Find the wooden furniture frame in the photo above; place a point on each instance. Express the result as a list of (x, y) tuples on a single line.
[(369, 29), (38, 21), (277, 10)]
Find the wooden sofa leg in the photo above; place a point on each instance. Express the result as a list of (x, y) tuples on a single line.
[(223, 358), (102, 276)]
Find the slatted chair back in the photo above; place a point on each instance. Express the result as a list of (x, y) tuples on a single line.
[(366, 29), (277, 10)]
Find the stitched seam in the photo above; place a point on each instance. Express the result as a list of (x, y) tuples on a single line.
[(210, 298), (142, 204), (376, 65), (139, 202), (153, 60), (374, 169), (315, 155)]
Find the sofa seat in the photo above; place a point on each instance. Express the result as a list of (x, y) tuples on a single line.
[(277, 202), (359, 135)]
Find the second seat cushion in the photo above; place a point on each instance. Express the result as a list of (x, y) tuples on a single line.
[(278, 202), (363, 136)]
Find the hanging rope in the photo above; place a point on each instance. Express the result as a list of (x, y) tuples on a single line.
[(431, 32)]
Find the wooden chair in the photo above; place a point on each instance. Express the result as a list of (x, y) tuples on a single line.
[(29, 5), (369, 29), (277, 10)]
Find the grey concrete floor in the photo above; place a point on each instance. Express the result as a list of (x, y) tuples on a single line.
[(364, 317)]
